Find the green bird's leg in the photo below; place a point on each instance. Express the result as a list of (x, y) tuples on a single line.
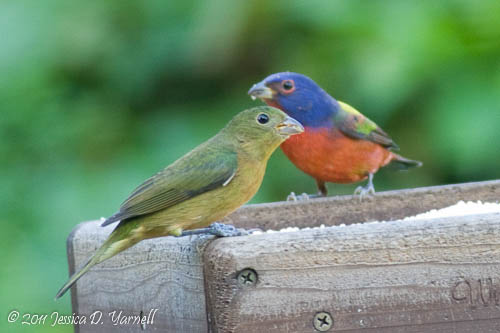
[(218, 229), (367, 189)]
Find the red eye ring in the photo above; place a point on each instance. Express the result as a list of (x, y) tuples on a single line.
[(288, 85)]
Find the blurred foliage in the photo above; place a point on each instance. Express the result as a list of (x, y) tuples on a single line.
[(95, 96)]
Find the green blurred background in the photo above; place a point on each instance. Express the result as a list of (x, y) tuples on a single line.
[(96, 96)]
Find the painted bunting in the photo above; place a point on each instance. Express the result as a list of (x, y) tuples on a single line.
[(339, 144), (201, 187)]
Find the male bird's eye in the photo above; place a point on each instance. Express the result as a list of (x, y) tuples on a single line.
[(287, 85), (262, 118)]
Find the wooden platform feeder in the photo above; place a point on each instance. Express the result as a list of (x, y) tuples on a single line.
[(437, 275)]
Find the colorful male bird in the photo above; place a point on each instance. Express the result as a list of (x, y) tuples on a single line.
[(339, 144), (203, 186)]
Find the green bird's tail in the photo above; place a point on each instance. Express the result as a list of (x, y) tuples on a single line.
[(402, 163), (116, 242)]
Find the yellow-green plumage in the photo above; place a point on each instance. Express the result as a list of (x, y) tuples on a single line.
[(201, 187)]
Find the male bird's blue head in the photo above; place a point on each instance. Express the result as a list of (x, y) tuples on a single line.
[(299, 96)]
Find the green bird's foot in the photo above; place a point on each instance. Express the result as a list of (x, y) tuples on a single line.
[(368, 189), (219, 230), (225, 230)]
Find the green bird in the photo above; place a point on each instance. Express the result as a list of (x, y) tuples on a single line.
[(203, 186)]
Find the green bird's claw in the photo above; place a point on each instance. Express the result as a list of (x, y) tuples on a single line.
[(228, 230), (225, 230), (219, 230)]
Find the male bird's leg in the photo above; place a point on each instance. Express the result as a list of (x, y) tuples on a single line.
[(220, 230), (367, 189), (322, 192)]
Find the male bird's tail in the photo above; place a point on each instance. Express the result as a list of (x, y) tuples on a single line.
[(118, 241), (402, 163)]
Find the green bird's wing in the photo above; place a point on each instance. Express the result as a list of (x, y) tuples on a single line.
[(355, 125), (198, 172)]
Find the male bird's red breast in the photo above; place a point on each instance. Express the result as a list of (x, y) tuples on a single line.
[(328, 155)]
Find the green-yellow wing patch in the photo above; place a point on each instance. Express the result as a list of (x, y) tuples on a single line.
[(190, 176), (355, 125)]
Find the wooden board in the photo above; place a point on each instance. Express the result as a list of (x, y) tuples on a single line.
[(167, 273), (439, 275), (163, 274), (383, 206)]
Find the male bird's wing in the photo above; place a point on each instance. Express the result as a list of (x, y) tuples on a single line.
[(199, 172), (355, 125)]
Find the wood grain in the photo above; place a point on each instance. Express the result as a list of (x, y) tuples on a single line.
[(383, 206), (439, 275), (164, 274), (168, 273)]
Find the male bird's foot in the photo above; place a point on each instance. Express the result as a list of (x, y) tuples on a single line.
[(363, 191), (303, 197), (219, 230), (368, 189)]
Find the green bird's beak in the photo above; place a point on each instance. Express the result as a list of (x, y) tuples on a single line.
[(289, 127), (260, 90)]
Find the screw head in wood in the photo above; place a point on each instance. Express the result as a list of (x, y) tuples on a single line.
[(247, 277), (322, 321)]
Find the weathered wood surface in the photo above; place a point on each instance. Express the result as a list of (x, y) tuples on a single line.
[(167, 273), (440, 275), (383, 206), (164, 274)]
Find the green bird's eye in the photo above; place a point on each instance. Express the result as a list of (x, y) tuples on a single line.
[(287, 85), (262, 118)]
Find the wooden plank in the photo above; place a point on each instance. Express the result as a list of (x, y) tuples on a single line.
[(166, 273), (383, 206), (440, 275), (163, 274)]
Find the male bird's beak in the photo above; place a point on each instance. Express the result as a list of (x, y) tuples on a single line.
[(289, 127), (260, 90)]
